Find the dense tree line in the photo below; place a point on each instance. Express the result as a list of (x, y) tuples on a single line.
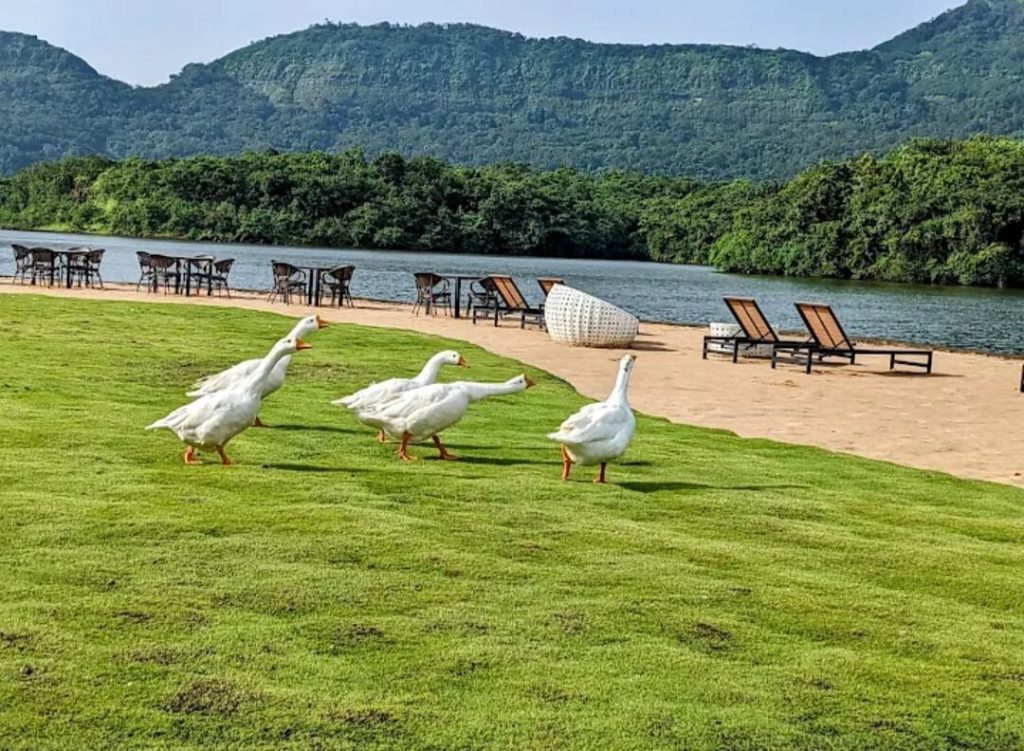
[(474, 95), (930, 211)]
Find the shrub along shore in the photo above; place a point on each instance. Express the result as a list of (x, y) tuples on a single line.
[(941, 212)]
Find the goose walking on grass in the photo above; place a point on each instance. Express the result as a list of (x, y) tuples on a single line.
[(425, 412), (600, 432), (237, 374), (209, 422), (362, 402)]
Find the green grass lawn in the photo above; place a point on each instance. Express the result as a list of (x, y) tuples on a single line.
[(721, 593)]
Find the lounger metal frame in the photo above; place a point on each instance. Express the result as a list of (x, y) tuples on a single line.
[(830, 340), (756, 331)]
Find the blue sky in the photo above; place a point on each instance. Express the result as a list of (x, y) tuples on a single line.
[(144, 41)]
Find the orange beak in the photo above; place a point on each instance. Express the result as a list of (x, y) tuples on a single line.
[(321, 323), (530, 382), (462, 362), (303, 345)]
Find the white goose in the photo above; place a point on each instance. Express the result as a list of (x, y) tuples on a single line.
[(362, 402), (600, 432), (426, 411), (212, 420), (237, 374)]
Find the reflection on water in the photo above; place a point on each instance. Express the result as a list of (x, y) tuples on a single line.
[(962, 317)]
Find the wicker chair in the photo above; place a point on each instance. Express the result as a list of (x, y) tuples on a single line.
[(165, 270), (22, 263), (581, 320), (43, 266), (219, 276), (288, 280), (337, 280), (482, 295), (431, 290), (83, 266), (145, 270)]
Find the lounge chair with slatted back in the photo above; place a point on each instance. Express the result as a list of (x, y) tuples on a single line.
[(754, 331), (830, 340), (509, 301), (546, 283)]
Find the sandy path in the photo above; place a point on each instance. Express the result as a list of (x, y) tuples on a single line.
[(964, 419)]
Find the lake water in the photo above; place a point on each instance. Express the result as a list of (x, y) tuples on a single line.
[(952, 316)]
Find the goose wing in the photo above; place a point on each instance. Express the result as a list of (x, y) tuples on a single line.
[(595, 422), (224, 379), (374, 393)]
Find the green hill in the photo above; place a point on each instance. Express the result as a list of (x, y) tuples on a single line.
[(477, 95)]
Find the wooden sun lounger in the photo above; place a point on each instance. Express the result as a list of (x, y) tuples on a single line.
[(830, 340), (506, 299), (756, 331)]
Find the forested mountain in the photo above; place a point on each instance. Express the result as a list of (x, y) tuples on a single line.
[(475, 95)]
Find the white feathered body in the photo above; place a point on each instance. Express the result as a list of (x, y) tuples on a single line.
[(428, 410), (214, 419), (421, 412), (598, 433), (366, 403), (362, 402)]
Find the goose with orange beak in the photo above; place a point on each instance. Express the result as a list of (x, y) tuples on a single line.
[(237, 374), (363, 402), (209, 422), (424, 412), (601, 432)]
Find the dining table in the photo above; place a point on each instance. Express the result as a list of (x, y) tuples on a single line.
[(61, 263), (194, 267), (457, 280), (314, 282)]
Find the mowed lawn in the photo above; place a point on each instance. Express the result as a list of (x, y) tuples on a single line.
[(720, 594)]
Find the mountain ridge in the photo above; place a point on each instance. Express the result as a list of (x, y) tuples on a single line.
[(473, 94)]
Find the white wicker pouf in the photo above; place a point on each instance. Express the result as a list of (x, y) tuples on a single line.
[(581, 320), (733, 329)]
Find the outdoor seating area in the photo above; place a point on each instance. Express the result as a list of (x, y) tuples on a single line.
[(183, 275), (493, 297), (569, 316), (825, 338), (309, 285), (49, 267)]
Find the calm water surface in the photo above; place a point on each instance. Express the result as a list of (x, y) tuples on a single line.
[(952, 316)]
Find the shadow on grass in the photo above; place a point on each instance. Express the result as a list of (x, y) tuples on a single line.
[(320, 428), (312, 468), (494, 461), (678, 486)]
